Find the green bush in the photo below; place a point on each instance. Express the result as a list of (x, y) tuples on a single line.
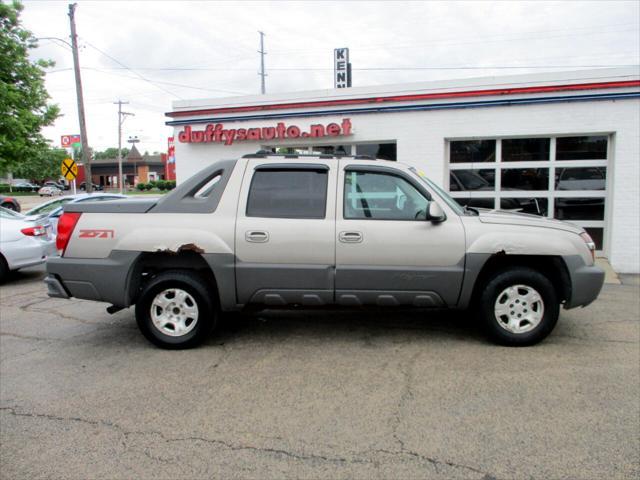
[(148, 186), (141, 186), (161, 184), (171, 184), (4, 187), (153, 183)]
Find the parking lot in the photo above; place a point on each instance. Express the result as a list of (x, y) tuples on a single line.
[(316, 395)]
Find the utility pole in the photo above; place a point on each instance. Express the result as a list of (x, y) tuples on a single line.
[(262, 73), (86, 153), (121, 117)]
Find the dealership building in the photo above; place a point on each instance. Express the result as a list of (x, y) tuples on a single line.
[(562, 145)]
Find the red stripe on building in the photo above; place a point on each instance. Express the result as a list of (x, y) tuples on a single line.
[(410, 98)]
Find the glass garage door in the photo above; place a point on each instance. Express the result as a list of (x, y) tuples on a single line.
[(563, 177)]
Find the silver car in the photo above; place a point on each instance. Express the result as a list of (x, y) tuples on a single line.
[(23, 242)]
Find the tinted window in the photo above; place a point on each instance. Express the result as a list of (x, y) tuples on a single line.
[(380, 196), (525, 149), (288, 194), (472, 180), (587, 178), (535, 206), (477, 202), (384, 151), (581, 148), (525, 179), (579, 208), (473, 151)]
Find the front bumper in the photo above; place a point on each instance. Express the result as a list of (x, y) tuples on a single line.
[(586, 282)]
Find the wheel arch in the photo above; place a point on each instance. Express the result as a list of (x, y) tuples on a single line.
[(551, 266)]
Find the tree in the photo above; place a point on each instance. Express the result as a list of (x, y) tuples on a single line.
[(24, 107), (111, 152), (46, 164)]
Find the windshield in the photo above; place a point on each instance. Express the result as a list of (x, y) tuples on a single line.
[(441, 193)]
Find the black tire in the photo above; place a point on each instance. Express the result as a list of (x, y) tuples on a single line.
[(4, 269), (193, 284), (10, 206), (528, 278)]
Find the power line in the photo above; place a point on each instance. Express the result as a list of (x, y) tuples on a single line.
[(131, 70)]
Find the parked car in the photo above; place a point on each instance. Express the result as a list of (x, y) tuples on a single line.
[(9, 203), (26, 187), (23, 243), (49, 192), (52, 209), (58, 185), (269, 231), (83, 186)]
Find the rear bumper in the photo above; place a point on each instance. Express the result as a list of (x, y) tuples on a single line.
[(99, 279), (586, 282)]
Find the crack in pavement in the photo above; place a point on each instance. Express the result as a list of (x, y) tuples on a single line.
[(357, 458)]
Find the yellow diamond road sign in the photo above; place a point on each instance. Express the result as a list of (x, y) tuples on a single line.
[(69, 169)]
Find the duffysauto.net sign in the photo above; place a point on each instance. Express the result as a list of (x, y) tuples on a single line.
[(216, 133)]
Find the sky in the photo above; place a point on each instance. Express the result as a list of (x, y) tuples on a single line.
[(151, 53)]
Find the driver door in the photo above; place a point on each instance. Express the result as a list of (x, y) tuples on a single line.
[(386, 252)]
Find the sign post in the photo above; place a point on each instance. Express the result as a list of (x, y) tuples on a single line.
[(69, 169)]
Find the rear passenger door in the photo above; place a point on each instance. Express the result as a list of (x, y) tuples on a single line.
[(285, 233)]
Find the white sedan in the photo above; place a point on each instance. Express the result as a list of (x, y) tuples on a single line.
[(23, 242), (49, 192), (52, 209)]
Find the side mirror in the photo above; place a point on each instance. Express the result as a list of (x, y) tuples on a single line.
[(435, 214)]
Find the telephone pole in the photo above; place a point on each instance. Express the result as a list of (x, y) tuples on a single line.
[(86, 153), (121, 117), (262, 73)]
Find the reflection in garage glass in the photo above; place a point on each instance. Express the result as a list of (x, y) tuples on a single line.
[(477, 202), (587, 178), (534, 206), (584, 208), (525, 149), (581, 148), (525, 179), (472, 151), (463, 180), (384, 151)]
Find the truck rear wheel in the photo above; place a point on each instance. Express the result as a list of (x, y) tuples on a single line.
[(519, 307), (175, 310)]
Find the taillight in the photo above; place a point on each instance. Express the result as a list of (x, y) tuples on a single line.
[(66, 224), (34, 231)]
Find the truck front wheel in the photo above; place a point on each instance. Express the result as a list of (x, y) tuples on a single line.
[(519, 307), (175, 310)]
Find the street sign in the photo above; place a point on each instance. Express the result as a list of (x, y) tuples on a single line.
[(69, 169), (67, 141)]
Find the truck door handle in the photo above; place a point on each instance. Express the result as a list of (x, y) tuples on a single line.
[(256, 236), (350, 237)]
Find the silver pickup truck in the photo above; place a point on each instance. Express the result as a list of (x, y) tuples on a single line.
[(277, 231)]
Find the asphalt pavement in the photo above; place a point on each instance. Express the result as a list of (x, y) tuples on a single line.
[(316, 395)]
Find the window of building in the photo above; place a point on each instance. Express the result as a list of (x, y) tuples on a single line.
[(384, 151), (525, 149), (593, 147), (564, 177), (472, 151), (381, 196), (288, 194)]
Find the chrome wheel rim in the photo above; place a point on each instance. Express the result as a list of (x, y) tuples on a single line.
[(174, 312), (519, 309)]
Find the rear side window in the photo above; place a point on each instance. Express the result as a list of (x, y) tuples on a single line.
[(288, 194)]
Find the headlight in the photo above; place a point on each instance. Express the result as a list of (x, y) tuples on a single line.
[(590, 244)]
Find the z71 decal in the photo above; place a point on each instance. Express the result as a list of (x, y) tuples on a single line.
[(96, 234)]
